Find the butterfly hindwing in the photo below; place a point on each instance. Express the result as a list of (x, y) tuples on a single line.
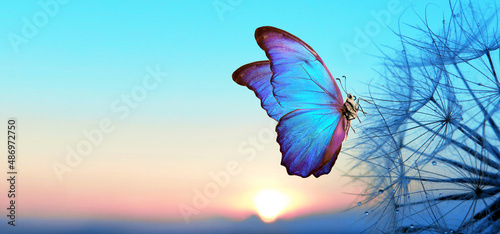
[(257, 77), (334, 147), (305, 136)]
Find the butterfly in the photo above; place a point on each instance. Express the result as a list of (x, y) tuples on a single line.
[(296, 89)]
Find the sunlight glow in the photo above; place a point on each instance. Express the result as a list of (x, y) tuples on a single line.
[(270, 203)]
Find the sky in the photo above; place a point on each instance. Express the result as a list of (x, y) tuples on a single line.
[(126, 110)]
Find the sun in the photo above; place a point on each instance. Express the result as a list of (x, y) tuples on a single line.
[(270, 203)]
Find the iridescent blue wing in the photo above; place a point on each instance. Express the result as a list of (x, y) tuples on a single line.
[(310, 137), (330, 157), (257, 77), (307, 142), (300, 78)]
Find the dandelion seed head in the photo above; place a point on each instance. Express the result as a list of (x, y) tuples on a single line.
[(407, 180)]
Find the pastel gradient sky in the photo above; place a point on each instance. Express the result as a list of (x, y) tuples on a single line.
[(73, 71)]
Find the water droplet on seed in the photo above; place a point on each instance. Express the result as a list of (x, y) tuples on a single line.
[(397, 211), (366, 213), (434, 163), (359, 203), (411, 226), (380, 191)]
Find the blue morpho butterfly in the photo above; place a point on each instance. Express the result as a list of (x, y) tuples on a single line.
[(297, 90)]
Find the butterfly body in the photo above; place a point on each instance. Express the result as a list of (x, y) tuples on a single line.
[(296, 89), (351, 107)]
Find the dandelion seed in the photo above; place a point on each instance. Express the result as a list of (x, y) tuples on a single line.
[(440, 102)]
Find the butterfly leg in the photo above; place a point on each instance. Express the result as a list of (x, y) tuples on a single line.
[(359, 108)]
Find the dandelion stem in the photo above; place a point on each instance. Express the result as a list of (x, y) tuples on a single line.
[(479, 139), (465, 167), (488, 210), (479, 104), (490, 182), (492, 67)]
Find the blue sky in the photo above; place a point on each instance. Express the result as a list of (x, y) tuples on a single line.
[(97, 49), (88, 46)]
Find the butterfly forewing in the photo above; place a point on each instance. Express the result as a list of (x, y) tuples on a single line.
[(299, 74)]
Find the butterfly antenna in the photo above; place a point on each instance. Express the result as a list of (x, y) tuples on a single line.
[(345, 81)]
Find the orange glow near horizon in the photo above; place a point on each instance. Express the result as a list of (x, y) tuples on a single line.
[(270, 204)]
